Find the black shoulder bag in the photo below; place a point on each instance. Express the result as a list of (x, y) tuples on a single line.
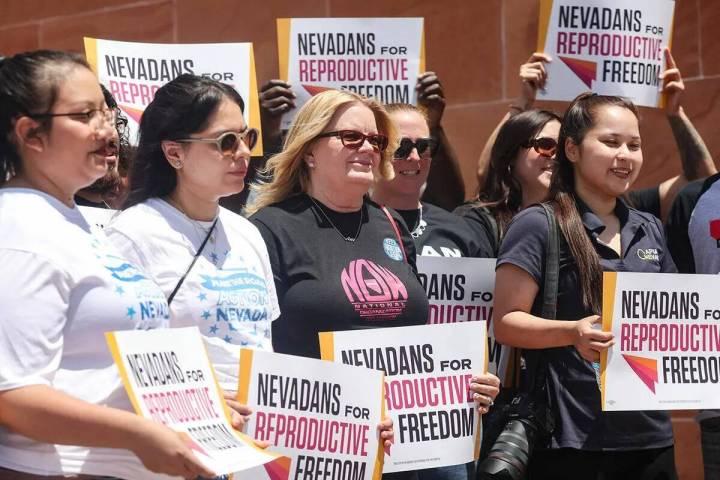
[(197, 254), (520, 420)]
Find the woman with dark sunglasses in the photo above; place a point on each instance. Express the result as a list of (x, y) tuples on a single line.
[(339, 260), (211, 263), (436, 232), (521, 164)]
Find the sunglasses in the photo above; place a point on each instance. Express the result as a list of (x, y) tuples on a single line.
[(545, 146), (229, 142), (426, 147), (354, 139)]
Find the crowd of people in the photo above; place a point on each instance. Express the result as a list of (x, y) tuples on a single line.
[(353, 185)]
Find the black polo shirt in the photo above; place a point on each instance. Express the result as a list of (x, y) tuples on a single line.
[(572, 386)]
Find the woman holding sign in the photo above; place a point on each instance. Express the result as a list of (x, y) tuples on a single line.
[(436, 232), (64, 411), (599, 157), (212, 264)]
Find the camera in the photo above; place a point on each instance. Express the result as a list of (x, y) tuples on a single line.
[(528, 423)]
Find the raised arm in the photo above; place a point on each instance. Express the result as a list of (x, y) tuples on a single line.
[(695, 158), (445, 187), (533, 76)]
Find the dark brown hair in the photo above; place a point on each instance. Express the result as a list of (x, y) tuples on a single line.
[(580, 117), (29, 85), (502, 194)]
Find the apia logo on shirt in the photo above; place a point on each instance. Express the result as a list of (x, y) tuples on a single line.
[(648, 254), (392, 249)]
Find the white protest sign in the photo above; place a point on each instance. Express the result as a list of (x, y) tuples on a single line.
[(375, 57), (428, 370), (610, 47), (133, 72), (667, 341), (461, 290), (323, 416), (169, 379)]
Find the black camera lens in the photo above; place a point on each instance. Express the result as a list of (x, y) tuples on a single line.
[(509, 457)]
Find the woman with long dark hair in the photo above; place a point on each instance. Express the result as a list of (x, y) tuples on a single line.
[(522, 160), (212, 263), (599, 157), (63, 410)]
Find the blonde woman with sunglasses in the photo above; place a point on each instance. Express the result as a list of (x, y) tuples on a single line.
[(211, 263), (340, 261)]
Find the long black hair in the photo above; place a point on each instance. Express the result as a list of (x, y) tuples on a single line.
[(180, 108), (29, 85), (580, 117), (502, 193)]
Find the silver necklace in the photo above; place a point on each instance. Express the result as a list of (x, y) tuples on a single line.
[(199, 227), (420, 229), (348, 238)]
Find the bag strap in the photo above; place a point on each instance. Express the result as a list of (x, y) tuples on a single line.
[(197, 254), (552, 264), (535, 374), (397, 231)]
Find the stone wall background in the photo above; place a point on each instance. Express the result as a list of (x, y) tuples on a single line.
[(475, 46)]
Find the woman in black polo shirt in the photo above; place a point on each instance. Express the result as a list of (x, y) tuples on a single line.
[(599, 156)]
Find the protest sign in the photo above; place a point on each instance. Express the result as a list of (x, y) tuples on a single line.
[(667, 341), (610, 47), (133, 72), (428, 370), (169, 379), (375, 57), (461, 290), (323, 416)]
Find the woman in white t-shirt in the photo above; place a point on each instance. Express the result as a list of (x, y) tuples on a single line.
[(194, 149), (63, 410)]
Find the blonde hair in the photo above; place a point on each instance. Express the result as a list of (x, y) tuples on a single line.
[(290, 173)]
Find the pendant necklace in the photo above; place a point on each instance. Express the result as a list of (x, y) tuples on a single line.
[(346, 238), (420, 229)]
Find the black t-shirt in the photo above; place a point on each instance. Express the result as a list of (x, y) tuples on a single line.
[(483, 225), (571, 382), (439, 233), (82, 202), (646, 200), (679, 219), (325, 283)]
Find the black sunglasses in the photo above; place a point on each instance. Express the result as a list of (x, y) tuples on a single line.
[(426, 147), (545, 146), (354, 139), (229, 142)]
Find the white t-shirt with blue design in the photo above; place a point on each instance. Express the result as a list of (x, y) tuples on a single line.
[(62, 286), (229, 293)]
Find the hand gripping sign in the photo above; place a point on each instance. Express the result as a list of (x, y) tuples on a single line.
[(169, 379), (375, 57), (610, 47), (133, 72), (428, 371), (323, 416), (667, 341)]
